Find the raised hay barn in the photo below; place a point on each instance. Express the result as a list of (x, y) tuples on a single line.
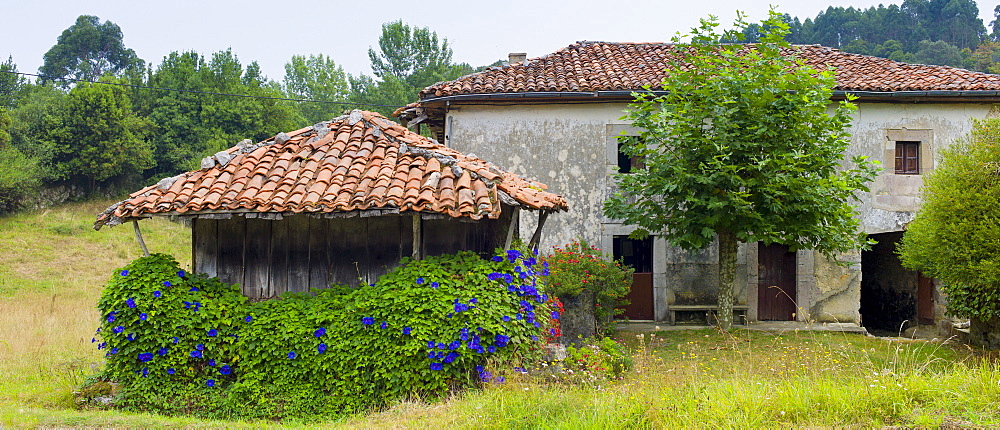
[(339, 202)]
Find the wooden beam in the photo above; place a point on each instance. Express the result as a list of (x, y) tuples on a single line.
[(510, 228), (418, 240), (138, 236), (537, 237)]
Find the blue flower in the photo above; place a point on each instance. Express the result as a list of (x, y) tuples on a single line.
[(167, 284), (180, 274), (248, 318), (435, 285), (211, 363), (533, 337), (292, 355), (495, 276), (437, 366), (319, 332), (193, 289), (124, 273), (187, 305), (171, 371), (406, 331), (145, 372), (143, 316), (473, 300), (506, 318), (502, 340), (200, 347), (500, 380), (431, 344), (479, 368), (195, 354), (450, 357), (130, 302), (384, 325), (530, 261), (431, 354), (210, 382), (321, 348), (212, 333), (367, 320), (162, 351), (93, 339), (111, 317), (157, 294), (114, 350), (225, 369), (519, 316), (555, 315), (552, 331), (512, 255), (497, 258), (420, 281), (485, 376), (442, 346), (176, 339), (520, 370), (145, 356), (491, 349), (130, 337), (537, 324), (454, 345)]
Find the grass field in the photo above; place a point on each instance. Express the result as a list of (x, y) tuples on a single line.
[(52, 267)]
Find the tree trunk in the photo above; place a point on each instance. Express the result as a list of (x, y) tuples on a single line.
[(727, 277)]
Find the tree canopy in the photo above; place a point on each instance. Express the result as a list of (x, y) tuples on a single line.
[(316, 77), (741, 148), (955, 236), (87, 50)]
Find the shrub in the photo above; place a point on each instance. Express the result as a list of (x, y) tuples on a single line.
[(580, 267), (18, 179), (428, 327)]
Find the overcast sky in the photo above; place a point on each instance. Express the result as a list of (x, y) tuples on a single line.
[(270, 32)]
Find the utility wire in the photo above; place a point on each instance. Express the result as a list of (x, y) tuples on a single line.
[(196, 92)]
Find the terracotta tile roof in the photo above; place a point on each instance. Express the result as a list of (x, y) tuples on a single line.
[(604, 66), (360, 161)]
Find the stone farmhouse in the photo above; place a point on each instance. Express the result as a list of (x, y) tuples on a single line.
[(557, 118)]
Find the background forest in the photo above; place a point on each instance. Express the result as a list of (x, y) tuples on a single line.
[(97, 120)]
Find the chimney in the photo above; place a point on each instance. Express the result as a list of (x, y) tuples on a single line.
[(517, 57)]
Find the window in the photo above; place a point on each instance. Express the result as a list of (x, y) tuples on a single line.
[(628, 162), (907, 158)]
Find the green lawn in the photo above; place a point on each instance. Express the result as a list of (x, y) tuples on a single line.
[(54, 264)]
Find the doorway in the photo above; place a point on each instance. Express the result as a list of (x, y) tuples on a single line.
[(637, 254), (893, 298), (775, 283)]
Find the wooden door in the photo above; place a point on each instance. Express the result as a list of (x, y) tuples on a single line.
[(637, 254), (925, 299), (776, 283)]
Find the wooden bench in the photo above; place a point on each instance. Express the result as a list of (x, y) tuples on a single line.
[(709, 311)]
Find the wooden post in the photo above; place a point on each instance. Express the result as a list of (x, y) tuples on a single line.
[(417, 237), (537, 237), (138, 236), (510, 229)]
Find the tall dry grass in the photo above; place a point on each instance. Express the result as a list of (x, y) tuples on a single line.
[(52, 269)]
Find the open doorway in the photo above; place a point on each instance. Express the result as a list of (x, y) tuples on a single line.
[(637, 254), (893, 297)]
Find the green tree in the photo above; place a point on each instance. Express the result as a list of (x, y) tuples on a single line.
[(316, 77), (94, 138), (940, 52), (741, 147), (408, 60), (87, 50), (956, 236), (12, 85), (192, 124)]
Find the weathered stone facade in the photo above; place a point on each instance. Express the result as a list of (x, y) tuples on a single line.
[(573, 148)]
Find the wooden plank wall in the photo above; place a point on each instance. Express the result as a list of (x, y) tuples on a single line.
[(298, 253)]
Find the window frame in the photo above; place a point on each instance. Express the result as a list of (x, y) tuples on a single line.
[(907, 157)]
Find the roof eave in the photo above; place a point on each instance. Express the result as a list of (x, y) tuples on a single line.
[(627, 95)]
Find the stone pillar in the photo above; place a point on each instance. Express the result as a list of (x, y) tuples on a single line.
[(578, 319)]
